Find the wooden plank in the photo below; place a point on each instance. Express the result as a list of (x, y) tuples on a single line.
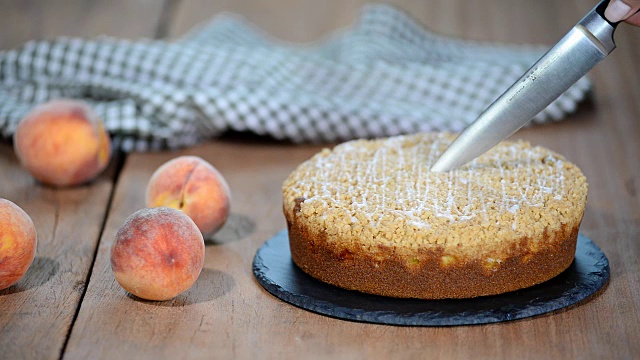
[(21, 21), (207, 318), (37, 312), (228, 315), (308, 20), (299, 21)]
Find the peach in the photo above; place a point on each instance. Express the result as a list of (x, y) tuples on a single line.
[(18, 243), (191, 184), (158, 253), (62, 143)]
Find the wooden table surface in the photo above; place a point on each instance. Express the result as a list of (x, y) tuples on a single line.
[(68, 304)]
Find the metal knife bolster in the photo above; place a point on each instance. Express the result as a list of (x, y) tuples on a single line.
[(600, 28), (584, 46)]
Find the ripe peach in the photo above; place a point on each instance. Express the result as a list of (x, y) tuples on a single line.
[(191, 184), (18, 243), (158, 253), (62, 143)]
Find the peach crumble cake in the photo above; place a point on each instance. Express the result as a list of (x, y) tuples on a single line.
[(370, 216)]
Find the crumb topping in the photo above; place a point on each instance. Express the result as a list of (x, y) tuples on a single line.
[(381, 193)]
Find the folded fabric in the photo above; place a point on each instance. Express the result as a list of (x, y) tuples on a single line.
[(385, 76)]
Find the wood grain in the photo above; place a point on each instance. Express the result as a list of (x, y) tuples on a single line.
[(304, 21), (23, 20), (227, 314), (37, 312), (225, 300), (248, 322)]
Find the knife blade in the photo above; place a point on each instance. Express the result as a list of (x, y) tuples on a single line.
[(583, 47)]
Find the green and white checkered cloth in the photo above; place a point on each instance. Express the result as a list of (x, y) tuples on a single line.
[(385, 76)]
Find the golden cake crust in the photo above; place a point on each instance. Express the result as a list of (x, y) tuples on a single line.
[(369, 216)]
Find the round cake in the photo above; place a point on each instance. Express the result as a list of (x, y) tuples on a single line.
[(370, 216)]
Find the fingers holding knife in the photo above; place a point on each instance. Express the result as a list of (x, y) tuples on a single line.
[(623, 10)]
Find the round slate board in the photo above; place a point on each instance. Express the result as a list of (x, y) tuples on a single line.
[(276, 272)]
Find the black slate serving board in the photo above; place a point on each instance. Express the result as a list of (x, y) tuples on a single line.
[(276, 272)]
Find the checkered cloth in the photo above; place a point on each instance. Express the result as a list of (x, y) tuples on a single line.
[(385, 76)]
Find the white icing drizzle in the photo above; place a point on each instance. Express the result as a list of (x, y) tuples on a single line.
[(397, 181)]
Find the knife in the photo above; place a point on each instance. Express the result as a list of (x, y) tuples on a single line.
[(584, 46)]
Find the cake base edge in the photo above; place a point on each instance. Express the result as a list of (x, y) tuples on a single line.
[(429, 279)]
